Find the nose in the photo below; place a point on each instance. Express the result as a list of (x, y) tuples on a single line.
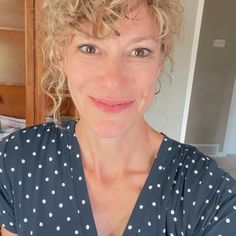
[(114, 73)]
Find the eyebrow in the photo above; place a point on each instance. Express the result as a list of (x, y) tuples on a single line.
[(144, 38), (134, 40)]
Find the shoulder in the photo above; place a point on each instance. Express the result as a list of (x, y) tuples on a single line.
[(199, 170), (34, 141), (198, 176), (25, 138), (207, 193), (193, 163), (31, 135)]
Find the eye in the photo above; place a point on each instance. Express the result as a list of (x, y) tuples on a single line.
[(88, 49), (141, 52)]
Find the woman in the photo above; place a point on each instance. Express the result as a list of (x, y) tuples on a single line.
[(109, 173)]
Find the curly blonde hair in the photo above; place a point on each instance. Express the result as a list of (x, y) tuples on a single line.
[(62, 19)]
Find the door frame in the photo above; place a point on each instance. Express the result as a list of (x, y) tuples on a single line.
[(193, 59)]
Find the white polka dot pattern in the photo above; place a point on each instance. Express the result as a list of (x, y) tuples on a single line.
[(43, 189)]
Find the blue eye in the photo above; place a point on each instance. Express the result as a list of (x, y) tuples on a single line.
[(141, 52), (88, 49)]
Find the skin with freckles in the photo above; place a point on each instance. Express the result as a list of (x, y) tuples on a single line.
[(119, 69), (112, 82)]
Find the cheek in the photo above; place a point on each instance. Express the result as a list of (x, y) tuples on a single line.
[(148, 85), (148, 81), (77, 75), (82, 76), (76, 84), (146, 93)]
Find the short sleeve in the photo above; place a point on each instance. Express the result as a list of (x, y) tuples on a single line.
[(7, 215), (213, 212), (223, 219)]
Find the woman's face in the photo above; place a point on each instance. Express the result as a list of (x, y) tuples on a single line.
[(112, 81)]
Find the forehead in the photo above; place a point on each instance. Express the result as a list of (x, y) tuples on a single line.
[(138, 22)]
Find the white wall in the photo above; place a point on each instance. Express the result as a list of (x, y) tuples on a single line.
[(167, 112), (214, 75), (230, 137)]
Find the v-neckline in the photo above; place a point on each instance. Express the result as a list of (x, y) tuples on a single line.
[(138, 212)]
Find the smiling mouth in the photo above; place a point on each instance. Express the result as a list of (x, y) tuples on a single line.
[(111, 106)]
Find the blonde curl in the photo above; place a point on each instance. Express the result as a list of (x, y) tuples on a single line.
[(62, 18)]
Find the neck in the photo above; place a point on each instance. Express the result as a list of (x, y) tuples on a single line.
[(109, 158)]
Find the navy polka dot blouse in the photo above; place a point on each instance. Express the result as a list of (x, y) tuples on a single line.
[(43, 189)]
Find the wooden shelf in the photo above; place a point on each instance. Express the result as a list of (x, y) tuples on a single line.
[(12, 51), (12, 29), (13, 58), (12, 13), (15, 96), (21, 64), (11, 84)]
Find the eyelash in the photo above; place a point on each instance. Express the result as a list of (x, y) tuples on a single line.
[(145, 51), (86, 46)]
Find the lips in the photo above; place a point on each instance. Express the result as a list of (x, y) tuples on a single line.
[(106, 105)]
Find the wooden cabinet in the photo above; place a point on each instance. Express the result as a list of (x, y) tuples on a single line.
[(21, 63), (16, 59)]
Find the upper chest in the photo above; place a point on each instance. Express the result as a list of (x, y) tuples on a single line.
[(113, 203)]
